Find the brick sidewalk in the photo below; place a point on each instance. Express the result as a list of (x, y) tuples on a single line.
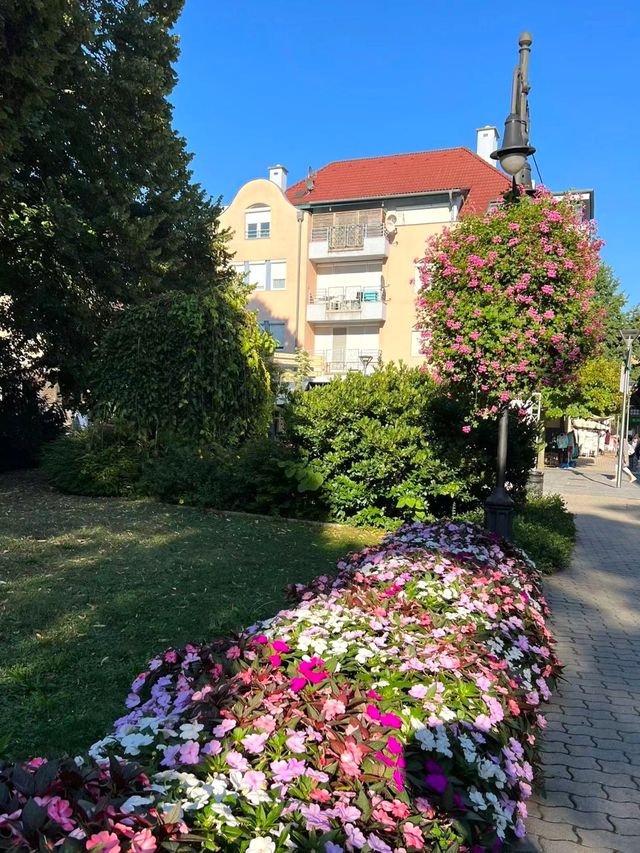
[(592, 745)]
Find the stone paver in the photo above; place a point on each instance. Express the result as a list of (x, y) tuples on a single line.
[(592, 745)]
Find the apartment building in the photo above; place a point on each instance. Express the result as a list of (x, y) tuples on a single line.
[(332, 259)]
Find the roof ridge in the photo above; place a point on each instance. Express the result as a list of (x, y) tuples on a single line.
[(385, 156), (494, 170)]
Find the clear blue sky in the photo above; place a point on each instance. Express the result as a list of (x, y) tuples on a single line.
[(306, 83)]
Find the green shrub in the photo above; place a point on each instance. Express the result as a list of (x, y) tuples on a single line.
[(546, 530), (90, 463), (262, 476), (185, 369), (391, 446)]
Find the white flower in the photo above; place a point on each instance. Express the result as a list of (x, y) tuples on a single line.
[(447, 714), (190, 731), (96, 751), (477, 799), (133, 742), (261, 844), (426, 739), (135, 802)]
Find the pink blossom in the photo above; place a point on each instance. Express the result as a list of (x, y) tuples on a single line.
[(296, 742), (266, 723), (280, 646), (255, 743), (143, 842), (413, 836), (254, 780), (287, 770), (104, 842), (225, 726), (60, 810), (190, 752), (315, 818), (234, 652), (350, 759), (332, 708), (237, 761)]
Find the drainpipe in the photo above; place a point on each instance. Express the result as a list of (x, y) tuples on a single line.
[(300, 218)]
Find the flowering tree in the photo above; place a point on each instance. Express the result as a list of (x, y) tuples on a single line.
[(505, 303)]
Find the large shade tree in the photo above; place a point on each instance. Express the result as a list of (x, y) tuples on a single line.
[(97, 205), (506, 302)]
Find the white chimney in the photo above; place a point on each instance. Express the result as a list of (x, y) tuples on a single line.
[(486, 142), (278, 174)]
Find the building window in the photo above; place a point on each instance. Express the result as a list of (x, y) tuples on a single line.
[(257, 222), (416, 343), (278, 275), (277, 330), (256, 275)]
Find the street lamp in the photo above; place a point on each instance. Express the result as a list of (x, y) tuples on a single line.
[(515, 146), (498, 509), (365, 360), (628, 336)]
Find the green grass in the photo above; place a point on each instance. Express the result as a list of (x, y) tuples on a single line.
[(91, 588)]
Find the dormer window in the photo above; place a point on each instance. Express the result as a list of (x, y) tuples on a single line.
[(257, 222)]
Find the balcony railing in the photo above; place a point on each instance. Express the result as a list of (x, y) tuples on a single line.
[(347, 304), (338, 361), (334, 240)]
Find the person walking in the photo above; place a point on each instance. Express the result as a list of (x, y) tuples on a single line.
[(629, 449)]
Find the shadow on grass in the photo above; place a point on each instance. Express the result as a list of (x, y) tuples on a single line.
[(91, 588)]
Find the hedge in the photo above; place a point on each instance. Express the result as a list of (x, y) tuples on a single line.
[(395, 707)]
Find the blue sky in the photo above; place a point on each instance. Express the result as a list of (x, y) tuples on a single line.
[(306, 83)]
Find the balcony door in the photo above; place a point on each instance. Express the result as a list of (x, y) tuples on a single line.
[(339, 348)]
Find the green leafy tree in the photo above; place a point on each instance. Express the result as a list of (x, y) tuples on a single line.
[(185, 370), (97, 206)]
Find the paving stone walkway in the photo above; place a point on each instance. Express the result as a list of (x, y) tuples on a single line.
[(592, 744)]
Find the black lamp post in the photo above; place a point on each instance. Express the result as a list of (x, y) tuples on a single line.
[(498, 511)]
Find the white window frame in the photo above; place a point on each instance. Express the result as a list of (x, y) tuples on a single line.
[(257, 222), (282, 265)]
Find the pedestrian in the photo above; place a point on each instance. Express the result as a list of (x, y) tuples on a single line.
[(629, 449)]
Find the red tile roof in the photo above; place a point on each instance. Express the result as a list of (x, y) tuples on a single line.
[(405, 174)]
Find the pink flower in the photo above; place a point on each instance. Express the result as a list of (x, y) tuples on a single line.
[(254, 780), (170, 657), (315, 818), (287, 771), (266, 723), (104, 842), (275, 660), (332, 708), (350, 759), (280, 646), (237, 761), (297, 684), (413, 836), (296, 742), (255, 743), (60, 810), (466, 428), (391, 720), (224, 727), (213, 747), (190, 752), (143, 842)]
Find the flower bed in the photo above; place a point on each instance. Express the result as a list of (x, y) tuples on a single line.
[(394, 708)]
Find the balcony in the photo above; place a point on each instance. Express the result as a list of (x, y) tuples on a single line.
[(340, 361), (347, 305), (348, 242)]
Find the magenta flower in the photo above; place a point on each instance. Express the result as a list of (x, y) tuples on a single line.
[(60, 810)]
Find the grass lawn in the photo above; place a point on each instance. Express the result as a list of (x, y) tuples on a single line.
[(91, 588)]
